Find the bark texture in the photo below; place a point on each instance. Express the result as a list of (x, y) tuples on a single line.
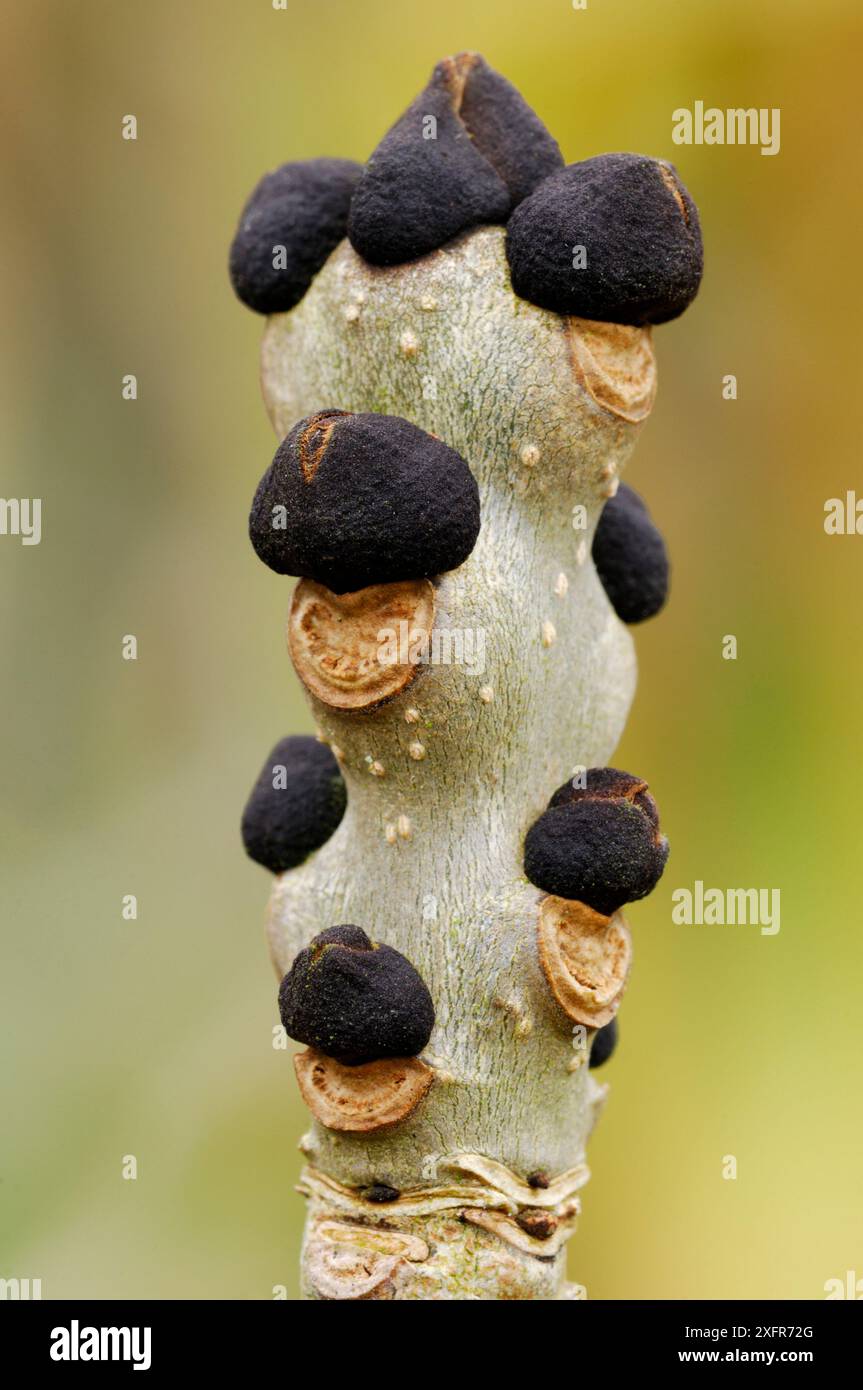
[(445, 778)]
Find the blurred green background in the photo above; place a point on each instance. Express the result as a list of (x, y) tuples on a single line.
[(153, 1037)]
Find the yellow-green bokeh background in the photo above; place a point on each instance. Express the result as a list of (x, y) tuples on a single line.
[(153, 1038)]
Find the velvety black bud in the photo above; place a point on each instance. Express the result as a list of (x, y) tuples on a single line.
[(292, 812), (634, 226), (630, 557), (604, 1043), (466, 151), (302, 207), (600, 845), (354, 500), (355, 1000), (380, 1192)]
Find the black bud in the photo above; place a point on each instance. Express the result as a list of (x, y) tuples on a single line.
[(283, 823), (630, 557), (302, 207), (380, 1192), (640, 233), (604, 1043), (466, 151), (354, 500), (600, 845), (355, 1000)]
